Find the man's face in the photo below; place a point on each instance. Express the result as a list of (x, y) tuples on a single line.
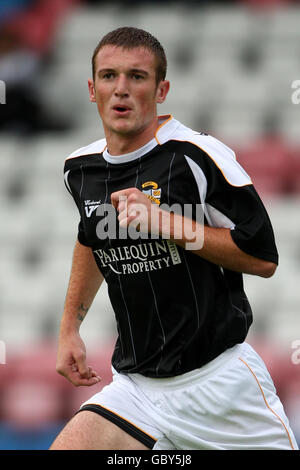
[(125, 89)]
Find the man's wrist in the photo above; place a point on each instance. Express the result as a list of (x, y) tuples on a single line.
[(182, 230), (70, 324)]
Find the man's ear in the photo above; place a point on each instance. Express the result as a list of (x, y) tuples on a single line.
[(162, 91), (91, 90)]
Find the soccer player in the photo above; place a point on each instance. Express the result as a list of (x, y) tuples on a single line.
[(183, 375)]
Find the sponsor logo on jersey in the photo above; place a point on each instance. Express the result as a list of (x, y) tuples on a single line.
[(152, 191), (134, 259), (91, 206)]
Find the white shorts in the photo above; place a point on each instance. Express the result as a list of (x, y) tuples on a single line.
[(229, 404)]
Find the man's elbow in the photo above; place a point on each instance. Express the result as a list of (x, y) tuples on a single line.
[(267, 269)]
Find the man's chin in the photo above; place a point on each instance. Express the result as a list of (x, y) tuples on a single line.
[(124, 128)]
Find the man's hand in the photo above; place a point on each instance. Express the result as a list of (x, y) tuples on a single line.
[(71, 361), (136, 210)]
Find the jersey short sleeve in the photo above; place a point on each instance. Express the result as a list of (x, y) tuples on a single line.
[(81, 235), (230, 199), (254, 234), (74, 177)]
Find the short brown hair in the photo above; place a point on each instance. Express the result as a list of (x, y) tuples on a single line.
[(130, 38)]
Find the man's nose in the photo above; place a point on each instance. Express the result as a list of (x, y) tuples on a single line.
[(122, 86)]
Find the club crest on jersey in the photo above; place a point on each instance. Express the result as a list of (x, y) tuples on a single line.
[(152, 191), (91, 206)]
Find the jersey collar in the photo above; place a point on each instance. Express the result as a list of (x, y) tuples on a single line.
[(167, 125)]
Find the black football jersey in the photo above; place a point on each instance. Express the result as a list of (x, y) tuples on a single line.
[(174, 310)]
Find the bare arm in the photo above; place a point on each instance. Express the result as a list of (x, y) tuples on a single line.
[(84, 283), (218, 246)]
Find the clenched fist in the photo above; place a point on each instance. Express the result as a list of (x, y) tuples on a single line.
[(136, 210)]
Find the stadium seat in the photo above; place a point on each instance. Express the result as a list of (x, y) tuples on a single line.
[(284, 21), (85, 25), (237, 126), (32, 394), (37, 25), (226, 23), (295, 165), (268, 163), (285, 374), (289, 119)]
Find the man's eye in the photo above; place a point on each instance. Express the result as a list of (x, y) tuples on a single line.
[(107, 76), (136, 76)]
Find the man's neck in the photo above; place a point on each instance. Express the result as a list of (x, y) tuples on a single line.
[(121, 144)]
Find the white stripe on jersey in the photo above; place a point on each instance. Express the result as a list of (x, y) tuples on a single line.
[(223, 156), (66, 175), (94, 148), (214, 217), (218, 219)]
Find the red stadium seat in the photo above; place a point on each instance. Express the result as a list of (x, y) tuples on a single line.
[(295, 163), (31, 389), (278, 362), (36, 26), (269, 164), (34, 394)]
